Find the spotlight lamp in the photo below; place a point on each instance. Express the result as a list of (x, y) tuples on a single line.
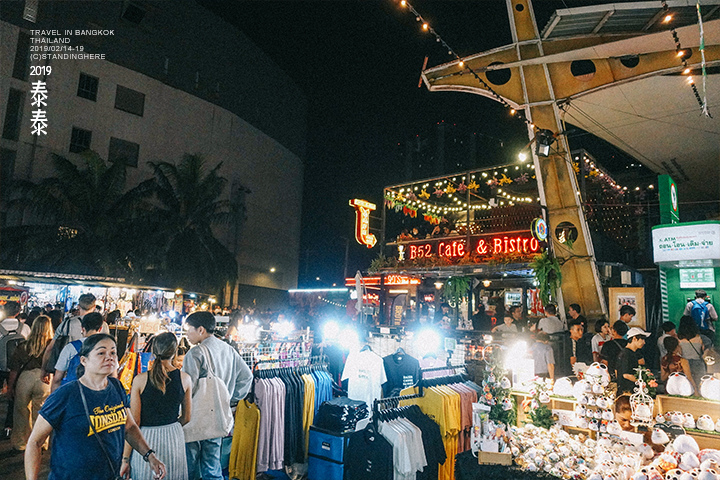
[(544, 139)]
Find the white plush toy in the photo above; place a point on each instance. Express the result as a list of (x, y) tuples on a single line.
[(705, 422), (688, 461), (710, 387), (684, 444), (678, 384), (563, 387)]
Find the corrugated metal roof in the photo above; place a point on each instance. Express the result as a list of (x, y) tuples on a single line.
[(619, 18)]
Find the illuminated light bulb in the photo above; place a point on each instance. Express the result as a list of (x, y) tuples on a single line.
[(651, 187), (403, 3), (425, 26), (690, 80), (686, 71), (461, 64), (680, 53), (667, 18), (637, 188), (512, 111)]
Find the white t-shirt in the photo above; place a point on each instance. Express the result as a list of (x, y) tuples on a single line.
[(11, 324), (551, 324), (597, 342), (365, 373), (505, 328)]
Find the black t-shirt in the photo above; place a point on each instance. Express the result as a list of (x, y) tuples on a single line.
[(402, 371), (610, 352), (369, 456), (627, 363), (583, 349), (432, 444)]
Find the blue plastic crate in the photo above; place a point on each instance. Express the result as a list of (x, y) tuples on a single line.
[(321, 469)]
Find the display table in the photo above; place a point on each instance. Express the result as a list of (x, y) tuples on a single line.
[(696, 406)]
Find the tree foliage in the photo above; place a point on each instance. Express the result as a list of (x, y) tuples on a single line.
[(83, 220)]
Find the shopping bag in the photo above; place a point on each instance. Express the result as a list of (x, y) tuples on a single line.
[(211, 416)]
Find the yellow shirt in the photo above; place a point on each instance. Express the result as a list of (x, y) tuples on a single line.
[(243, 453)]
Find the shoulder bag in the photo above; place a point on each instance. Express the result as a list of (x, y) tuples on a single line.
[(211, 416), (113, 467)]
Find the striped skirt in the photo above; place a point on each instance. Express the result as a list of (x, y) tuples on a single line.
[(168, 441)]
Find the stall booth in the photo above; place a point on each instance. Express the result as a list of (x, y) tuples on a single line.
[(471, 231)]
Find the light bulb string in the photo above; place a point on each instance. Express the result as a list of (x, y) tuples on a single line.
[(681, 53), (426, 26)]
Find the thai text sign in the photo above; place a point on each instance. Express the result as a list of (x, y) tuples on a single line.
[(362, 222), (686, 242), (484, 245)]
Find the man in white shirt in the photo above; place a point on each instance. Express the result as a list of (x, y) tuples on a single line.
[(91, 324), (11, 322), (550, 323), (668, 329), (72, 327), (230, 368)]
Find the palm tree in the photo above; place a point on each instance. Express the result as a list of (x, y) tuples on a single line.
[(188, 203), (76, 219)]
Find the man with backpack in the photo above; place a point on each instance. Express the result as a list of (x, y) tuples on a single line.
[(68, 361), (12, 333), (704, 314), (69, 330)]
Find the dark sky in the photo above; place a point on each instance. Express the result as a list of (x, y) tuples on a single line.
[(359, 63)]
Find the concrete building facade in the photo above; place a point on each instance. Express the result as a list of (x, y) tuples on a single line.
[(176, 79)]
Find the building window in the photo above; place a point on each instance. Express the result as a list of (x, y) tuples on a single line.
[(80, 140), (21, 67), (88, 87), (30, 11), (13, 115), (133, 13), (7, 170), (124, 152), (129, 100)]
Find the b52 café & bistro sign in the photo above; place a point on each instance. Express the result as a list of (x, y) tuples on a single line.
[(521, 242)]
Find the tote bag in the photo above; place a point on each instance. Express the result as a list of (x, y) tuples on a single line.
[(211, 416)]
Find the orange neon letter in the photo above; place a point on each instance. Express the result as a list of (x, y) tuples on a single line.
[(362, 222)]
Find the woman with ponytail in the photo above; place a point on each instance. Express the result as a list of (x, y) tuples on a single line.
[(160, 404)]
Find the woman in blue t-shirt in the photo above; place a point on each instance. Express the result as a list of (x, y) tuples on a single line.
[(82, 449)]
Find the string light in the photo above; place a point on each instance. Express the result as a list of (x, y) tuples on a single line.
[(681, 55), (426, 26)]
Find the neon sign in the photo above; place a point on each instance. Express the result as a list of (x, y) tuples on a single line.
[(401, 280), (500, 244), (362, 222)]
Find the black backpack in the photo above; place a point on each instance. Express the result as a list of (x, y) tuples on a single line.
[(61, 339), (9, 340)]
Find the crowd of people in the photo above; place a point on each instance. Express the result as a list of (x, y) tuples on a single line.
[(60, 379), (621, 347)]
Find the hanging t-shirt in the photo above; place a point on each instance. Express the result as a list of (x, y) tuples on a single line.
[(365, 374), (402, 371), (243, 453), (76, 453), (369, 456)]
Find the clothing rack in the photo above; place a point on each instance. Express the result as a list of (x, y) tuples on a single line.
[(447, 367), (395, 400), (277, 363)]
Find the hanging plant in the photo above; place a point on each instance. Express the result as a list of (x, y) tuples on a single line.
[(456, 288), (547, 275)]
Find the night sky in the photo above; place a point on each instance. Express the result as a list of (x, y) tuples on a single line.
[(359, 64)]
